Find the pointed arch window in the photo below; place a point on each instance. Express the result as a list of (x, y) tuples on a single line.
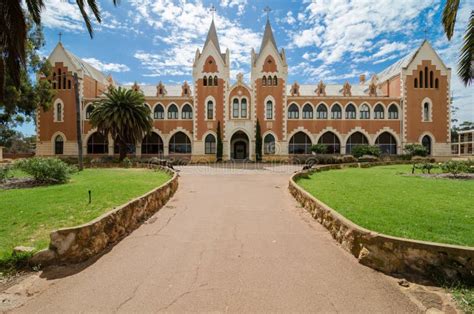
[(209, 81), (421, 79), (269, 81), (210, 110), (269, 144), (308, 111), (89, 110), (180, 144), (364, 112), (378, 112), (336, 112), (243, 108), (216, 82), (158, 112), (426, 112), (300, 143), (173, 112), (331, 141), (426, 77), (436, 83), (356, 139), (264, 81), (59, 78), (204, 81), (187, 112), (416, 83), (235, 108), (293, 112), (275, 81), (152, 144), (269, 110), (58, 112), (210, 144), (58, 145), (350, 112), (387, 143), (97, 144), (393, 112), (431, 79), (426, 142), (322, 112)]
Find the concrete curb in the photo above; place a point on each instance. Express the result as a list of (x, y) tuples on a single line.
[(79, 243), (388, 254)]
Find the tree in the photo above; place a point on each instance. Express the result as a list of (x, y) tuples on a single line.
[(21, 101), (124, 115), (258, 142), (466, 58), (14, 34), (219, 142)]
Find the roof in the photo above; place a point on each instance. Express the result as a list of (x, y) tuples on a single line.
[(150, 90), (212, 37), (331, 90), (268, 36), (88, 69)]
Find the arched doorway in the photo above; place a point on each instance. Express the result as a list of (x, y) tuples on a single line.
[(239, 146), (426, 142)]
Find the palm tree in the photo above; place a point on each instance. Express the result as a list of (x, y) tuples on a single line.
[(466, 59), (124, 115), (13, 33)]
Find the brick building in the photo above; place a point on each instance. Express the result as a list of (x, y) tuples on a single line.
[(409, 102)]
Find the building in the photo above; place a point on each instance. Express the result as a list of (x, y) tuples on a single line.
[(409, 102), (464, 142)]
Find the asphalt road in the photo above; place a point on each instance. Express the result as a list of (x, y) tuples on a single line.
[(228, 241)]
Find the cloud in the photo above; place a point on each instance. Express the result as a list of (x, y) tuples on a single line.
[(106, 67), (63, 15), (240, 4)]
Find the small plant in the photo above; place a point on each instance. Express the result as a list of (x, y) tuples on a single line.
[(454, 167), (5, 173), (319, 148), (361, 150), (127, 162), (46, 170), (416, 150)]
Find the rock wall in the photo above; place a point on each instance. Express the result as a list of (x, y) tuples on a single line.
[(391, 255), (77, 244)]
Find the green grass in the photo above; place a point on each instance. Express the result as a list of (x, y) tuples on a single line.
[(27, 216), (383, 199)]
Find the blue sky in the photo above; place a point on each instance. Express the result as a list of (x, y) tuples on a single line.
[(334, 40)]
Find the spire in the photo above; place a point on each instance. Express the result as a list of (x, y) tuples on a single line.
[(268, 36), (212, 36)]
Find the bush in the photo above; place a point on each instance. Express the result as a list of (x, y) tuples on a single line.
[(5, 172), (416, 150), (454, 167), (368, 158), (46, 170), (319, 148), (361, 150), (127, 162)]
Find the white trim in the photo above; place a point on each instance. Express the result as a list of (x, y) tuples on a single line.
[(270, 98), (355, 130), (433, 139), (56, 102), (430, 113), (213, 108), (304, 130), (391, 132)]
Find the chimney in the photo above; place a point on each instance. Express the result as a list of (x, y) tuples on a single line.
[(362, 79)]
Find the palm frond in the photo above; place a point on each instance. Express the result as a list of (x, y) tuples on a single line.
[(449, 17), (34, 8), (466, 59), (85, 16)]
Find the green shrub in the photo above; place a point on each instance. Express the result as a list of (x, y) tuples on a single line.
[(319, 148), (454, 167), (416, 150), (46, 170), (361, 150), (368, 158), (127, 162), (5, 172)]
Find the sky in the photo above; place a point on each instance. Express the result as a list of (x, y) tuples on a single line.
[(148, 41)]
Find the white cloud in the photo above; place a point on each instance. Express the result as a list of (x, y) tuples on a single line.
[(239, 4), (390, 49), (63, 15), (106, 67)]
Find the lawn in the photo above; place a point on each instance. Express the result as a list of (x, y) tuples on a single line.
[(27, 216), (387, 200)]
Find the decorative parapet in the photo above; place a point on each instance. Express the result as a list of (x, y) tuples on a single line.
[(388, 254)]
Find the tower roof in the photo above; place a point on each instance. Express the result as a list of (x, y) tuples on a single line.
[(268, 36), (212, 37)]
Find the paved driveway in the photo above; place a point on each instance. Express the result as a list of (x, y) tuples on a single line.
[(231, 240)]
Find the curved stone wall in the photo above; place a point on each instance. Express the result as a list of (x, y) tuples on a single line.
[(391, 255)]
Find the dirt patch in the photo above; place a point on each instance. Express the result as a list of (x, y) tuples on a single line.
[(463, 176), (21, 183)]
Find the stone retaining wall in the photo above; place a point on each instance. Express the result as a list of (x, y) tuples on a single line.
[(79, 243), (391, 255)]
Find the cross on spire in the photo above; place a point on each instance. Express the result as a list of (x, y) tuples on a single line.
[(60, 35), (213, 10), (267, 10), (426, 32)]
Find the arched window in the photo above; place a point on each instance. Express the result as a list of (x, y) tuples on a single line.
[(159, 112), (308, 111), (436, 83), (387, 143), (173, 112), (350, 111), (300, 143), (210, 110), (180, 144), (58, 114), (235, 108), (152, 144), (431, 79), (68, 84), (209, 81), (426, 142), (393, 112), (421, 79), (58, 145), (269, 144), (275, 81), (322, 112), (243, 108), (210, 144), (293, 112), (264, 81), (354, 140), (97, 144), (216, 82), (187, 112), (269, 81), (426, 112), (364, 112), (89, 110), (54, 80), (378, 112), (426, 77), (269, 110), (336, 112), (204, 81), (59, 78), (416, 83), (331, 141)]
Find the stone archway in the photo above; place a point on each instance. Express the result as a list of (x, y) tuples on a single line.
[(239, 146)]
